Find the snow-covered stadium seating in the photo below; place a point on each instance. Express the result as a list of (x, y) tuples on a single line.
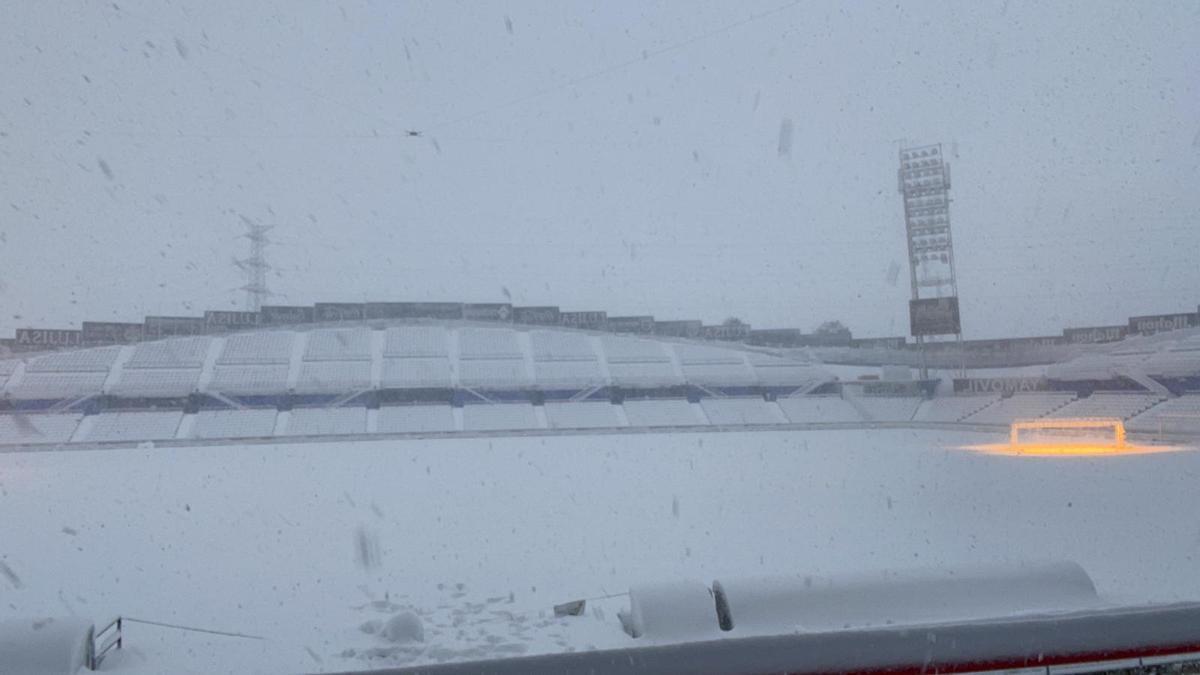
[(8, 368), (1108, 404), (552, 374), (415, 372), (1176, 415), (1182, 359), (479, 372), (774, 370), (333, 377), (889, 408), (952, 408), (156, 382), (83, 360), (415, 418), (258, 347), (338, 344), (638, 363), (581, 414), (660, 413), (37, 428), (813, 409), (488, 343), (739, 411), (327, 421), (561, 346), (177, 353), (57, 385), (714, 366), (1024, 405), (417, 341), (249, 423), (499, 416), (134, 426), (249, 379)]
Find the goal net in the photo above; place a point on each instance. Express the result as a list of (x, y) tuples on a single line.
[(1106, 431)]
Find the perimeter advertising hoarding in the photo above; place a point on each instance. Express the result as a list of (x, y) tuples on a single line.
[(218, 320), (487, 311), (414, 310), (684, 329), (537, 316), (732, 332), (879, 343), (1157, 323), (48, 337), (111, 332), (167, 326), (643, 325), (339, 311), (589, 320), (934, 316), (999, 385), (776, 337), (284, 314), (1095, 334)]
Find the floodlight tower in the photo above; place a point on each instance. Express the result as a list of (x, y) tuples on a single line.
[(255, 266), (924, 183)]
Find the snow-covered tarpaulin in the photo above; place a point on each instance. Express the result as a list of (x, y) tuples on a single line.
[(48, 646)]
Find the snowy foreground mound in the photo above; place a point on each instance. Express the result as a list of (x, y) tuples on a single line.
[(359, 555)]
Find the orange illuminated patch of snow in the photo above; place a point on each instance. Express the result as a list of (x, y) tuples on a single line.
[(1113, 445)]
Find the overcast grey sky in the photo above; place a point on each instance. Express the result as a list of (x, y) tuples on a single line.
[(617, 156)]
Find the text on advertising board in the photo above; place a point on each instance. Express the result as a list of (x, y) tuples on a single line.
[(50, 337)]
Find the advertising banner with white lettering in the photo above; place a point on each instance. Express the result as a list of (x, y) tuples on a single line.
[(286, 314), (414, 310), (1158, 323), (588, 320), (934, 316), (735, 332), (684, 329), (339, 311), (168, 326), (487, 311), (536, 316), (219, 320), (776, 337), (111, 332), (642, 325), (999, 385), (48, 337), (1095, 334)]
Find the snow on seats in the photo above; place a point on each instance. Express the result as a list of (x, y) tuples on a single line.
[(327, 421), (37, 428), (134, 426), (247, 423), (734, 411), (675, 412), (817, 409), (581, 414), (499, 416), (415, 418)]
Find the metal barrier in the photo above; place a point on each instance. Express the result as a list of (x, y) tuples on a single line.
[(105, 640)]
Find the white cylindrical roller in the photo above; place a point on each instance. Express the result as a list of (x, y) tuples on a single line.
[(807, 604), (672, 611)]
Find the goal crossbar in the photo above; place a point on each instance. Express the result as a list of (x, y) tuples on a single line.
[(1069, 424)]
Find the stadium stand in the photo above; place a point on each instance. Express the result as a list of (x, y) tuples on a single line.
[(561, 346), (492, 372), (134, 426), (638, 363), (499, 416), (1121, 405), (249, 423), (1024, 405), (660, 413), (1181, 359), (888, 408), (327, 421), (84, 360), (581, 415), (1085, 367), (1176, 415), (564, 360), (488, 343), (713, 366), (56, 385), (257, 348), (415, 418), (411, 372), (333, 377), (177, 353), (814, 409), (8, 368), (416, 341), (773, 370), (952, 408), (16, 428), (338, 344), (739, 411), (253, 379), (156, 382), (556, 374)]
